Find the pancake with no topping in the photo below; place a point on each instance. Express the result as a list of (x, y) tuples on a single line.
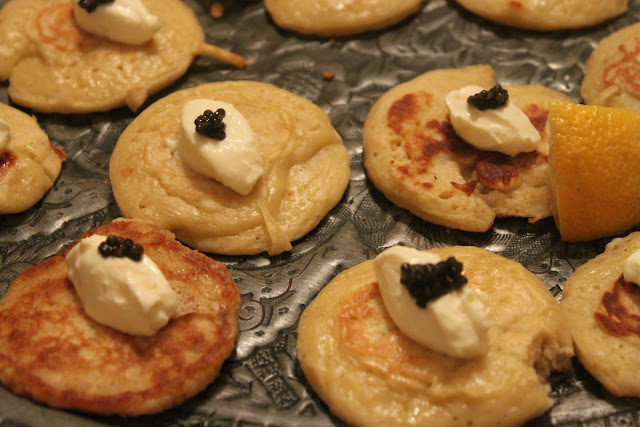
[(329, 18)]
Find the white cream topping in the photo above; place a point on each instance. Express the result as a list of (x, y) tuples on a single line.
[(124, 21), (132, 297), (631, 268), (5, 135), (235, 161), (506, 129), (454, 324)]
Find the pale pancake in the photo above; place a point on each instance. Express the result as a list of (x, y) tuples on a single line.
[(546, 15), (30, 164), (369, 373), (612, 359), (611, 74), (412, 154), (328, 18), (51, 351), (54, 66), (306, 172)]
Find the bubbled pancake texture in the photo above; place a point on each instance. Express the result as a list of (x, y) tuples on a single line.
[(306, 172), (608, 78), (611, 359), (412, 154), (369, 373), (30, 164), (51, 351), (53, 66), (546, 15), (339, 17)]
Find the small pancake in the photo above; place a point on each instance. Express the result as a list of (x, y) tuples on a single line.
[(412, 154), (547, 15), (602, 311), (329, 18), (370, 373), (610, 77), (306, 172), (54, 66), (51, 351), (30, 164)]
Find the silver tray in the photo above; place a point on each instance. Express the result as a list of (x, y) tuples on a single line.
[(262, 384)]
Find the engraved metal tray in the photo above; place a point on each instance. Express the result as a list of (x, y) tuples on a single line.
[(262, 384)]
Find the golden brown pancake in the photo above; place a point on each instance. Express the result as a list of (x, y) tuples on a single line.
[(413, 155), (339, 17), (602, 310), (370, 373), (30, 164), (546, 15), (306, 172), (51, 351), (611, 74), (54, 66)]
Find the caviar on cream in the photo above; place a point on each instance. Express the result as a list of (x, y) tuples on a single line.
[(505, 129), (5, 135), (631, 268), (454, 324), (235, 160), (124, 21), (131, 296)]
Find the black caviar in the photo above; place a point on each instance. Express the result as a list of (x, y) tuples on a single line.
[(427, 282), (120, 247), (493, 98), (91, 5), (210, 124)]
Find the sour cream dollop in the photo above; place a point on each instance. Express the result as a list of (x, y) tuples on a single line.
[(131, 296), (454, 324), (5, 135), (505, 129), (235, 161), (124, 21), (631, 268)]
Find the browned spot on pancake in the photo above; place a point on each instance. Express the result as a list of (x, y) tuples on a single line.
[(619, 320), (625, 71), (402, 111), (59, 152), (369, 335), (515, 4), (538, 117), (7, 160), (126, 171), (496, 170), (56, 28), (468, 187)]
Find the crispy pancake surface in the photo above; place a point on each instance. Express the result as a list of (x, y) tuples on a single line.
[(339, 17), (610, 77), (546, 15), (54, 66), (306, 171), (370, 373), (602, 310), (413, 155), (30, 164), (50, 350)]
